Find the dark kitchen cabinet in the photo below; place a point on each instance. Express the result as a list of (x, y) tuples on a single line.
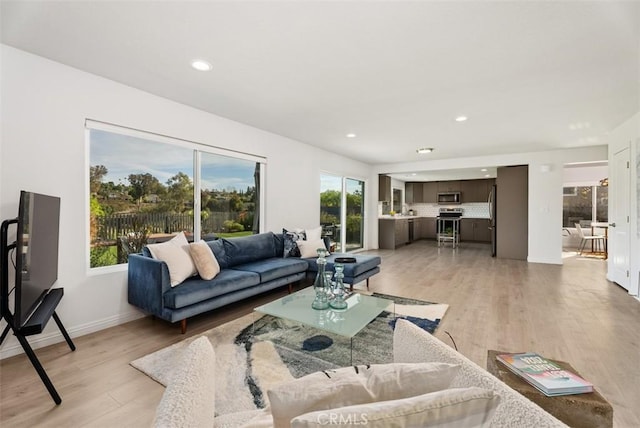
[(449, 186), (482, 233), (466, 229), (392, 233), (430, 192), (402, 232), (475, 190), (474, 230), (384, 188), (428, 227), (413, 193)]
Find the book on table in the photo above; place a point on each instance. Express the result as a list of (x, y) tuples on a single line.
[(545, 375)]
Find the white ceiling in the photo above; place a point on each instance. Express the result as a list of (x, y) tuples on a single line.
[(529, 75)]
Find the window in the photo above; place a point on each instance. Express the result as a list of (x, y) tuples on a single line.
[(142, 187), (585, 204), (342, 203)]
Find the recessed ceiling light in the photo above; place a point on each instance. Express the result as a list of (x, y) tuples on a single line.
[(351, 135), (484, 170), (414, 174), (424, 150), (461, 118), (201, 65), (487, 175)]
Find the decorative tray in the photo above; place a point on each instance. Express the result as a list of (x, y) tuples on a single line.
[(344, 260)]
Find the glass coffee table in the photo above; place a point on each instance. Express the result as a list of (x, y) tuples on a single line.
[(361, 310)]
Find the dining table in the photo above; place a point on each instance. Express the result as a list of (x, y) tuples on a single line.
[(601, 225)]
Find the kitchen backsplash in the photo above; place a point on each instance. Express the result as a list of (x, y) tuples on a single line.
[(476, 209), (472, 209)]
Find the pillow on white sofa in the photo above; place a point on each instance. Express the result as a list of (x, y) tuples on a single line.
[(204, 259), (189, 400), (356, 385), (449, 408), (175, 253)]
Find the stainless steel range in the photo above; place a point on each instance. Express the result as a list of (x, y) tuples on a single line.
[(449, 226), (450, 212)]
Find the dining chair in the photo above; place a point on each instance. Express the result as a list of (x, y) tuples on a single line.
[(598, 240)]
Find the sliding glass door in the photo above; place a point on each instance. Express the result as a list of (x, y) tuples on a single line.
[(331, 209), (355, 214), (342, 212)]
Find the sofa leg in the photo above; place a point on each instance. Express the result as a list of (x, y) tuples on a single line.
[(290, 288), (183, 326)]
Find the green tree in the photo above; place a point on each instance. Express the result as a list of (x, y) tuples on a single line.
[(96, 174), (235, 202), (142, 185), (179, 193), (330, 198), (95, 212)]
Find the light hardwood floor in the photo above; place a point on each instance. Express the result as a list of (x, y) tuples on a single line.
[(568, 312)]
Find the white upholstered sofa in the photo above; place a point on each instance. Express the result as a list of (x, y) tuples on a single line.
[(188, 400)]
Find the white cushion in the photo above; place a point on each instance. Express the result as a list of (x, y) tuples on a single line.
[(314, 234), (189, 400), (356, 385), (309, 248), (175, 253), (449, 408), (204, 259)]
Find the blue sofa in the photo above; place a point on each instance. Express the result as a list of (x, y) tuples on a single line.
[(249, 266)]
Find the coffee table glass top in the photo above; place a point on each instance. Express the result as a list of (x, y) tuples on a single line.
[(361, 310)]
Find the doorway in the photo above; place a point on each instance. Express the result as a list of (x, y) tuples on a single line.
[(585, 203)]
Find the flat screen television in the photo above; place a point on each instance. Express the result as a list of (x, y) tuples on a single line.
[(36, 252)]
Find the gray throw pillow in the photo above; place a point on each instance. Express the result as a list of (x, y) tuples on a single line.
[(290, 247)]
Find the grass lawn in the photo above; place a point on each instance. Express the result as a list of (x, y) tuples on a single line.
[(234, 234)]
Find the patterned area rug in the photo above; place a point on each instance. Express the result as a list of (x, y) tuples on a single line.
[(255, 352)]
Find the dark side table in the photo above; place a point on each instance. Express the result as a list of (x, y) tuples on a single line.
[(589, 410)]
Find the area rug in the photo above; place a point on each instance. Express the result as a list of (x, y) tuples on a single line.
[(256, 352)]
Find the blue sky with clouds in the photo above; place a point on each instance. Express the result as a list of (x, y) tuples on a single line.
[(124, 155)]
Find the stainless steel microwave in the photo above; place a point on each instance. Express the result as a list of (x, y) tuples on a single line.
[(449, 198)]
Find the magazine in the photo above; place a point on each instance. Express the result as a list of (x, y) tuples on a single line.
[(545, 375)]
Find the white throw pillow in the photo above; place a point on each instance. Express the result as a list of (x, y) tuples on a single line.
[(449, 408), (309, 248), (356, 385), (204, 259), (175, 253), (314, 234)]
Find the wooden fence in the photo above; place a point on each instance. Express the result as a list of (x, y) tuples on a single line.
[(111, 227)]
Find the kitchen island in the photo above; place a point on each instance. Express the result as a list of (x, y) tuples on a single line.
[(393, 231)]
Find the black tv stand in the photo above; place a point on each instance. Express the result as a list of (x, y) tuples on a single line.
[(38, 320)]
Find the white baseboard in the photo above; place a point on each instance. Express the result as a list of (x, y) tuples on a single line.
[(42, 340)]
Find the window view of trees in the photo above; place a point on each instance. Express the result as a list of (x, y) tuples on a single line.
[(585, 204), (142, 191)]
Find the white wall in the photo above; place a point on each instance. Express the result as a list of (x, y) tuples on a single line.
[(627, 135), (44, 106), (585, 175), (545, 190)]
